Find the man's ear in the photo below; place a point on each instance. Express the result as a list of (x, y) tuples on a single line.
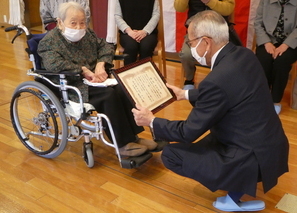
[(208, 42)]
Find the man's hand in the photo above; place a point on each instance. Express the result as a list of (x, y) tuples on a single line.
[(179, 93), (142, 115)]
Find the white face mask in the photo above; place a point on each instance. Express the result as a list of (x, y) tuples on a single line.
[(73, 34), (201, 60)]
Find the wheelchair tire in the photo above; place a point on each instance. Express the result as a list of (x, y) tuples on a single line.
[(88, 154), (38, 119)]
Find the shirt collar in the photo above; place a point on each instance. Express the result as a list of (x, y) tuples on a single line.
[(213, 58)]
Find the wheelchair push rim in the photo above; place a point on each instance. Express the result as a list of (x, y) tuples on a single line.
[(38, 119)]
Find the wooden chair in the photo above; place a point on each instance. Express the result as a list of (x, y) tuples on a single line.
[(159, 52)]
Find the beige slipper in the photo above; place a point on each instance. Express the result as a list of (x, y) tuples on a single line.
[(150, 144), (132, 149)]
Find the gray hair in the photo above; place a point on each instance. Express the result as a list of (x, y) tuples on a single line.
[(63, 8), (211, 24)]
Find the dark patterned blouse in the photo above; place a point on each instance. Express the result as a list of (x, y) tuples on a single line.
[(59, 54)]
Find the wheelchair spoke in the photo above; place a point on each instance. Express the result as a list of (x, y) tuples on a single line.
[(37, 122)]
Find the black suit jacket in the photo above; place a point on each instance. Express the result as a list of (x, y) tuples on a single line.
[(246, 141)]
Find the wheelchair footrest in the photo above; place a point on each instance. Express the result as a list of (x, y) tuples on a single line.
[(134, 162)]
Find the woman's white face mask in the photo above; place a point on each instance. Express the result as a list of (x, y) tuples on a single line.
[(74, 35), (200, 60)]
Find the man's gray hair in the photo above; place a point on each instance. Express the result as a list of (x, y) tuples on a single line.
[(210, 24), (63, 8)]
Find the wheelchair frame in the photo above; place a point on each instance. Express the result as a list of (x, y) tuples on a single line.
[(45, 125)]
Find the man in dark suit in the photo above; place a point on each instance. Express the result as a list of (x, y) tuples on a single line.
[(246, 143)]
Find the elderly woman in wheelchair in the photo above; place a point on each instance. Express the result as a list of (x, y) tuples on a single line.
[(69, 53)]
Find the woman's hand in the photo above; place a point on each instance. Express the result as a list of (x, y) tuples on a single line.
[(88, 74), (280, 50), (270, 48), (100, 73), (140, 34), (131, 33)]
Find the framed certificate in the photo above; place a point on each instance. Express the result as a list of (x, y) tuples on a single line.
[(144, 85)]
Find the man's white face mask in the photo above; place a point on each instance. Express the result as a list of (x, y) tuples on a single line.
[(74, 35), (201, 60)]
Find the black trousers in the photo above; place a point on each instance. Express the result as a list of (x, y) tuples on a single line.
[(174, 155), (113, 102), (276, 70), (144, 48)]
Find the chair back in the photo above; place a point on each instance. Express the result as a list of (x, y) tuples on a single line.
[(32, 50), (160, 48)]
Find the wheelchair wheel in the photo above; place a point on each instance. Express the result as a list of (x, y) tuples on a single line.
[(88, 154), (38, 119)]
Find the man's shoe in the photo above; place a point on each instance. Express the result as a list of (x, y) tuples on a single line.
[(150, 144), (161, 145), (227, 204), (132, 150), (188, 87)]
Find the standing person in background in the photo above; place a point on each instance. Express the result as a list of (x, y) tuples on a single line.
[(137, 21), (223, 7), (246, 143), (276, 34), (49, 10)]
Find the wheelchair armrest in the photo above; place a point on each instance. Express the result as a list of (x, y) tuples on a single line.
[(65, 72), (120, 57)]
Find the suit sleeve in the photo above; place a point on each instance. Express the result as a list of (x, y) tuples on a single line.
[(210, 105)]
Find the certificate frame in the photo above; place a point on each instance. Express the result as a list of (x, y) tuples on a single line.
[(144, 84)]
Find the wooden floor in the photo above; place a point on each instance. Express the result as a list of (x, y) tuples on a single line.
[(29, 183)]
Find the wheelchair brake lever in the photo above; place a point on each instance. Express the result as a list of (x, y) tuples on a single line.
[(19, 32)]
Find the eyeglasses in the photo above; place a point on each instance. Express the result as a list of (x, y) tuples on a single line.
[(189, 42)]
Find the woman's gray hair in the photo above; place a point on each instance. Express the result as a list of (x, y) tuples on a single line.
[(210, 24), (63, 8)]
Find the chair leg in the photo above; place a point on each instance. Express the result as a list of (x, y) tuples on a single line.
[(293, 98), (164, 68), (160, 63), (117, 64), (182, 76)]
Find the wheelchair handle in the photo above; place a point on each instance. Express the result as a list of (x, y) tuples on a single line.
[(20, 29), (52, 20), (11, 28)]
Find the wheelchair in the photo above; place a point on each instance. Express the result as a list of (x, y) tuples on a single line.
[(45, 123)]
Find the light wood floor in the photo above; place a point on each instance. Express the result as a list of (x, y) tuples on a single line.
[(29, 183)]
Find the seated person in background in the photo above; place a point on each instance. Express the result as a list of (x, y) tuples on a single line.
[(49, 10), (137, 21), (223, 7), (72, 46), (246, 143), (276, 43)]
